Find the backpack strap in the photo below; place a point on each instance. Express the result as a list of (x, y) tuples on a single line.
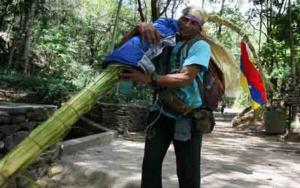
[(181, 51), (182, 54), (162, 66)]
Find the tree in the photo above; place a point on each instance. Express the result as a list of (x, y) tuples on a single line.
[(281, 47), (158, 8), (30, 7)]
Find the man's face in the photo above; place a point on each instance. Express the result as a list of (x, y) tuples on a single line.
[(188, 28)]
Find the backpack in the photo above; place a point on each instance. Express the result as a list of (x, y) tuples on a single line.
[(211, 88)]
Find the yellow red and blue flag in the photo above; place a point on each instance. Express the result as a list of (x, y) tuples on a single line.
[(251, 80)]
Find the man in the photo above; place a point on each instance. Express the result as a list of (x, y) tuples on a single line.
[(170, 126)]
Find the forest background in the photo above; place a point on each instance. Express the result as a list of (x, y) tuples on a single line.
[(53, 49)]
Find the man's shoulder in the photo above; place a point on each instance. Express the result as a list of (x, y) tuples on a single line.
[(201, 44)]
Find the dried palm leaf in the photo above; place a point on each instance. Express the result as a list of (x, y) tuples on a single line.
[(54, 129), (226, 61)]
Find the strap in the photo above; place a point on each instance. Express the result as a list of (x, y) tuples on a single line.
[(182, 52), (167, 58), (201, 90), (162, 64), (149, 128)]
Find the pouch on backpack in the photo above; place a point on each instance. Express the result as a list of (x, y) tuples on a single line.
[(171, 102), (204, 120)]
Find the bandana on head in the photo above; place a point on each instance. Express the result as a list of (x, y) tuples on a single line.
[(194, 13), (194, 18)]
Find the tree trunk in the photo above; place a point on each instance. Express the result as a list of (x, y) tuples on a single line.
[(116, 26), (92, 47), (221, 13), (155, 9), (164, 10), (292, 50), (29, 18), (173, 8), (260, 27), (140, 9)]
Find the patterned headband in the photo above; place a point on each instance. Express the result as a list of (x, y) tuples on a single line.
[(194, 18)]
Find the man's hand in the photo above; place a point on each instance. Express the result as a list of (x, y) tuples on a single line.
[(136, 76), (177, 80), (147, 31)]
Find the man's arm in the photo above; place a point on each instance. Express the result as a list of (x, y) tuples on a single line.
[(147, 31), (177, 80)]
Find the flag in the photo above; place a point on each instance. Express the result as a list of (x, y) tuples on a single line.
[(251, 80)]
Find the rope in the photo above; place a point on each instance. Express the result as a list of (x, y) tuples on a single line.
[(149, 127)]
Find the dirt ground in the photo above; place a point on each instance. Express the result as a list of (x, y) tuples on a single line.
[(231, 158)]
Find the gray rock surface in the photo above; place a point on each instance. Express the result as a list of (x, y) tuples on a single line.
[(17, 120), (121, 117)]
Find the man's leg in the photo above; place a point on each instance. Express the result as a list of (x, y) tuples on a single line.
[(155, 151), (188, 161)]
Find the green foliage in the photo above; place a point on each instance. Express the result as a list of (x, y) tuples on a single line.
[(47, 90), (281, 28), (75, 40), (242, 101), (227, 37), (137, 93), (70, 38), (276, 52)]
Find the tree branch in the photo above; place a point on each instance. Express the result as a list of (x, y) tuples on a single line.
[(140, 10), (165, 8), (154, 10), (265, 34)]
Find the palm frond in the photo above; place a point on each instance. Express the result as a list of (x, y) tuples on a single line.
[(54, 129)]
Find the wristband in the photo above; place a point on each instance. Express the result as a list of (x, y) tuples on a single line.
[(153, 78)]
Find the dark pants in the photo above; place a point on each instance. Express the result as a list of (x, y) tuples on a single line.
[(187, 155)]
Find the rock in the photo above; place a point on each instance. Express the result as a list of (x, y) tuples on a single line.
[(9, 142), (8, 129), (16, 111), (19, 136), (28, 125), (2, 145), (3, 113), (4, 119), (12, 140), (295, 125), (55, 170), (37, 115), (18, 119), (131, 117), (292, 136)]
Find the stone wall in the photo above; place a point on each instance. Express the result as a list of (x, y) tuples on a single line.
[(122, 117), (18, 120)]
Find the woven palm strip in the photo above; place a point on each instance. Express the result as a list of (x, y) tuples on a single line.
[(54, 129), (226, 60), (227, 63)]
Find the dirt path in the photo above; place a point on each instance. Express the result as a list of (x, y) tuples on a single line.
[(233, 158), (230, 159)]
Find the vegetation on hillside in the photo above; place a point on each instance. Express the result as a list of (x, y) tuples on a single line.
[(55, 48)]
